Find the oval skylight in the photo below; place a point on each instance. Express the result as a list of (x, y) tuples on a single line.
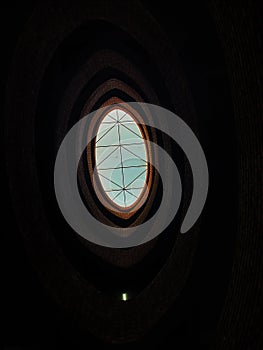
[(121, 158)]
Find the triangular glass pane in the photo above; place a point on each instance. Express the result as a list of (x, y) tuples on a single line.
[(139, 182), (120, 199), (111, 117), (103, 128), (109, 137), (106, 183), (113, 194), (131, 157), (111, 179), (130, 132), (125, 117), (113, 160), (130, 199), (130, 175), (104, 152), (135, 191), (139, 150)]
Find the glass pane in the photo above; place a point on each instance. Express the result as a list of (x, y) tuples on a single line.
[(121, 159)]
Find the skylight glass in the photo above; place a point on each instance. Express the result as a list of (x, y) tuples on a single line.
[(121, 159)]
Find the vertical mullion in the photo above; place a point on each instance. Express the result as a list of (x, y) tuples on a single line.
[(123, 182)]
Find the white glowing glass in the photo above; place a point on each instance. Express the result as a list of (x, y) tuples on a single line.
[(121, 158)]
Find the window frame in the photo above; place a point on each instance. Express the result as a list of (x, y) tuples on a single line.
[(114, 208)]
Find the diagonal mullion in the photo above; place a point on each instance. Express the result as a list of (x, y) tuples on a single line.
[(117, 195), (136, 155), (131, 193), (123, 116), (131, 131), (112, 117), (115, 149), (105, 133), (135, 178), (105, 177)]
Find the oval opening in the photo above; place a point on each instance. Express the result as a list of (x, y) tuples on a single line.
[(121, 159)]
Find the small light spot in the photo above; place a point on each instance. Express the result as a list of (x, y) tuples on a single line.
[(124, 296)]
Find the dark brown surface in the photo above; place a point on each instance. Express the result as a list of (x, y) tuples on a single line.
[(208, 68), (240, 32)]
